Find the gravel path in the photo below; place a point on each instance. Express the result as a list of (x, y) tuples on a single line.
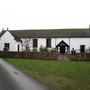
[(13, 79)]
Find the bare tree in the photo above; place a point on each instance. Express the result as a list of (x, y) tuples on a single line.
[(27, 43)]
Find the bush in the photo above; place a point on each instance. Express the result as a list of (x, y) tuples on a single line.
[(73, 52), (34, 50), (6, 49), (43, 49)]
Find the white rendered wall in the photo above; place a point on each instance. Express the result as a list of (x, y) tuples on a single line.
[(40, 42), (26, 41), (73, 42), (76, 42), (20, 46), (8, 38), (56, 41)]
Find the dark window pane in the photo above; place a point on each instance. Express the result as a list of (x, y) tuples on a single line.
[(34, 42), (82, 48), (6, 46), (48, 43), (18, 47)]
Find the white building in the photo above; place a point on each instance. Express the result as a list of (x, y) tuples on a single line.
[(61, 39)]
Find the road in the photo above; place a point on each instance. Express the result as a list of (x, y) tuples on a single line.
[(13, 79), (6, 81)]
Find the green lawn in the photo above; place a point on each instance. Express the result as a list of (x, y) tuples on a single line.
[(56, 74)]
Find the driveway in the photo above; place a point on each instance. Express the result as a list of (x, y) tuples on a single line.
[(13, 79)]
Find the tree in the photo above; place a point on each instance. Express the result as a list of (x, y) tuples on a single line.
[(27, 43)]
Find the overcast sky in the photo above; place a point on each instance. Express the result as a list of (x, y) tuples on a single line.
[(36, 14)]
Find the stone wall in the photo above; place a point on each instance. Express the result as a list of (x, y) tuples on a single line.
[(33, 55)]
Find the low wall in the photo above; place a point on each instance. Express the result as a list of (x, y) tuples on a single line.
[(75, 57), (46, 55), (33, 55), (80, 57)]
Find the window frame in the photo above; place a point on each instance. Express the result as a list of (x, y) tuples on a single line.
[(82, 51), (35, 43), (6, 46), (48, 42)]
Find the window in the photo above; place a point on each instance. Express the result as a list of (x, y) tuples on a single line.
[(35, 42), (6, 46), (18, 47), (48, 43), (82, 48)]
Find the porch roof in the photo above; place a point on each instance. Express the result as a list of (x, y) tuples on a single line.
[(62, 43)]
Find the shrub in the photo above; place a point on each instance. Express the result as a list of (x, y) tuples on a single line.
[(34, 50), (43, 49)]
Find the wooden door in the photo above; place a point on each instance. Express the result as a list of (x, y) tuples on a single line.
[(62, 49)]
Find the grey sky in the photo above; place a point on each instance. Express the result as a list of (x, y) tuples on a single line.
[(35, 14)]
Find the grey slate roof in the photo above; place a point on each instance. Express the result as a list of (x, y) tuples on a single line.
[(51, 33)]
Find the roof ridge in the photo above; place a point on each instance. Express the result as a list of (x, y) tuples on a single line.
[(51, 33), (50, 29)]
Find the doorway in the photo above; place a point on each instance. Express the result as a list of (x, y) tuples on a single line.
[(63, 47), (82, 48)]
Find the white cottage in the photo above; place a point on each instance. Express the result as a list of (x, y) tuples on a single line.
[(64, 40)]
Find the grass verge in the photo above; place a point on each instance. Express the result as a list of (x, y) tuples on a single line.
[(56, 74)]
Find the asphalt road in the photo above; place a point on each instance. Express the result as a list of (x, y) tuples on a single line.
[(13, 79), (6, 81)]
